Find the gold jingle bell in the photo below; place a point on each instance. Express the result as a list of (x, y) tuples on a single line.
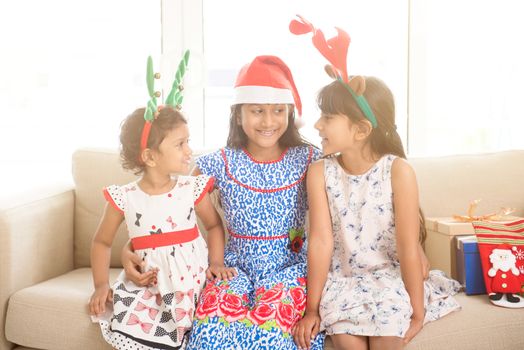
[(180, 87), (157, 93), (157, 75)]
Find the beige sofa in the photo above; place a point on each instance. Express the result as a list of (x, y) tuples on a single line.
[(45, 238)]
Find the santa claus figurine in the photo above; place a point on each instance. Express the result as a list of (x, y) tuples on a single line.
[(505, 277)]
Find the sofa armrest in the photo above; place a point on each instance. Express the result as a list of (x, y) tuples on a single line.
[(36, 240)]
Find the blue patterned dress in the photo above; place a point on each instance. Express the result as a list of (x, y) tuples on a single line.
[(265, 210)]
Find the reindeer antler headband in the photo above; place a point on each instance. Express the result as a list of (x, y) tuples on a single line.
[(174, 98), (335, 50)]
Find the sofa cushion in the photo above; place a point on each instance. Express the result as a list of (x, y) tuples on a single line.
[(479, 325), (53, 314)]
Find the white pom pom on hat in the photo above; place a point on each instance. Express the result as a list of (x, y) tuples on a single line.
[(299, 122)]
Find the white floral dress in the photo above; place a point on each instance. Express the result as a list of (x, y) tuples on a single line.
[(364, 292), (164, 233)]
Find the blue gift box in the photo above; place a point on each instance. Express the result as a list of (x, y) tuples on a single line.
[(469, 266)]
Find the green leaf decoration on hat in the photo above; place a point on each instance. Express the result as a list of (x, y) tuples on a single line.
[(174, 98), (151, 107)]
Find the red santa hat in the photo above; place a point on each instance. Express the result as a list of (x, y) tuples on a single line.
[(267, 79)]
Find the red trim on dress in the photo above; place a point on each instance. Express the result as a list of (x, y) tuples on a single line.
[(165, 239), (263, 190), (262, 161), (208, 188), (111, 201), (234, 235)]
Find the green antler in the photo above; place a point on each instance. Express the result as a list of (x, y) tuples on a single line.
[(151, 107), (175, 95)]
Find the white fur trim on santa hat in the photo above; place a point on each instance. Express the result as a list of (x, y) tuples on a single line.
[(262, 95)]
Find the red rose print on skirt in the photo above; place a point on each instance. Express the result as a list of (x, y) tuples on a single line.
[(231, 308), (261, 313), (286, 316), (274, 294), (299, 298), (208, 307)]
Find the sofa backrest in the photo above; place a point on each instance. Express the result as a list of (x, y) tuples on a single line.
[(447, 185), (94, 169)]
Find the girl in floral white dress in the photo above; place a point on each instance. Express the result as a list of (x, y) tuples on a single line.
[(160, 214), (365, 279)]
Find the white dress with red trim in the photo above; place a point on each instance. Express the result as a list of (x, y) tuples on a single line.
[(265, 208), (164, 233)]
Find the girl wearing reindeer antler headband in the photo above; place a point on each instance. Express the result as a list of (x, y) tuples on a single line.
[(159, 212), (365, 276)]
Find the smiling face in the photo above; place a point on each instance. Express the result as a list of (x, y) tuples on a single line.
[(263, 125), (336, 132), (174, 154)]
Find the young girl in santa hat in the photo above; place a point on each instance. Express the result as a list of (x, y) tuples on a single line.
[(260, 177), (365, 282)]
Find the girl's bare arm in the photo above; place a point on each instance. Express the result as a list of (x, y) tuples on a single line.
[(406, 206)]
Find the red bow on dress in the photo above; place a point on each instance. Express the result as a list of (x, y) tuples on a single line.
[(147, 295), (133, 319), (170, 220), (151, 311), (179, 296), (181, 313)]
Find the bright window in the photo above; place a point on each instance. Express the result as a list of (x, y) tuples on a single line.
[(70, 72), (467, 69)]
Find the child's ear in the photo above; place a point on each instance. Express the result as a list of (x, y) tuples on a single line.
[(364, 129), (357, 84), (147, 157)]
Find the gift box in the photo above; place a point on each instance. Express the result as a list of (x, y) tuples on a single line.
[(440, 245), (469, 266)]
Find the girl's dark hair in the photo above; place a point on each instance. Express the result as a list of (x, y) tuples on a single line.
[(384, 139), (237, 138), (131, 132)]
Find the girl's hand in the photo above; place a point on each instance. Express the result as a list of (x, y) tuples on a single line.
[(215, 271), (132, 266), (306, 330), (416, 325), (101, 295)]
